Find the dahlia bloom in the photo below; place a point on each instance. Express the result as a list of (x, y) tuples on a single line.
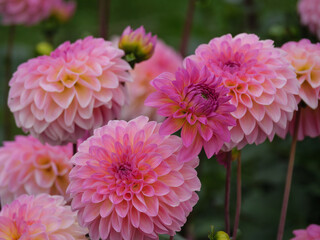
[(29, 167), (311, 233), (39, 217), (26, 12), (164, 59), (309, 11), (63, 10), (137, 44), (58, 98), (262, 84), (128, 184), (305, 58), (194, 102)]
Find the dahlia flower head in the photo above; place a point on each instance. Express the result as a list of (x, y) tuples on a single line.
[(63, 10), (58, 98), (25, 12), (29, 167), (128, 184), (311, 233), (262, 85), (39, 217), (137, 43), (305, 58), (194, 101), (309, 11), (164, 59)]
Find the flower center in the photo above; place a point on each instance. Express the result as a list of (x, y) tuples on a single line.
[(231, 66), (124, 171), (203, 99)]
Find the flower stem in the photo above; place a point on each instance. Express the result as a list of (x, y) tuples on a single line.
[(227, 194), (187, 28), (238, 206), (289, 178), (74, 148), (171, 237), (8, 75), (104, 15)]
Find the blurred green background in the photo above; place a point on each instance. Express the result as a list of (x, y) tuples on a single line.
[(264, 166)]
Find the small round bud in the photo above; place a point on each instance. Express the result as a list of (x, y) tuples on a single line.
[(44, 48), (221, 235)]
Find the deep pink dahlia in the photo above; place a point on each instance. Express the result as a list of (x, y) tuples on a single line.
[(309, 11), (39, 217), (164, 59), (29, 167), (262, 84), (77, 88), (305, 58), (193, 101), (311, 233), (26, 12), (128, 184)]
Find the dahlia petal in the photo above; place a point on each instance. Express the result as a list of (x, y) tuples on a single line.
[(171, 125), (122, 208), (188, 134), (307, 94), (152, 205), (104, 228), (106, 208), (187, 154), (109, 80), (83, 95), (213, 146), (64, 99), (135, 217), (90, 212), (45, 179), (116, 222), (160, 188), (247, 123), (146, 224)]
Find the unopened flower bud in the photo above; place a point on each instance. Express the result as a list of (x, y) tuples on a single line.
[(221, 235), (43, 48), (137, 45)]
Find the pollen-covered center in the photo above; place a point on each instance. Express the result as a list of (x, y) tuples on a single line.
[(202, 99)]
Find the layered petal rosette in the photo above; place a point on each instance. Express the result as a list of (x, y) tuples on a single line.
[(311, 233), (305, 58), (26, 12), (39, 217), (29, 167), (128, 184), (63, 10), (309, 11), (262, 84), (164, 59), (194, 101), (77, 88)]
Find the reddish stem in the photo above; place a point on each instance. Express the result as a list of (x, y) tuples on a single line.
[(8, 75), (227, 194), (187, 28), (289, 178), (171, 237), (238, 206), (104, 15)]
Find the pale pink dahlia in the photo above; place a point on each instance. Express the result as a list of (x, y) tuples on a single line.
[(26, 12), (164, 59), (128, 184), (77, 88), (40, 217), (28, 166), (309, 11), (262, 84), (305, 58), (311, 233), (193, 100)]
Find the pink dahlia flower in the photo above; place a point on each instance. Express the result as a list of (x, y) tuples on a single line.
[(63, 10), (262, 84), (309, 11), (58, 98), (26, 12), (128, 184), (164, 59), (39, 217), (29, 167), (193, 101), (311, 233), (305, 58)]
